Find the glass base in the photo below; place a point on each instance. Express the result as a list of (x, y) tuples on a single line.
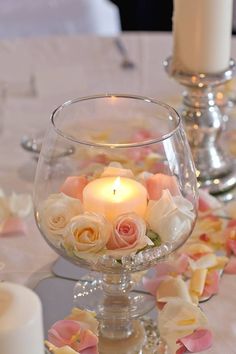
[(88, 294), (144, 340)]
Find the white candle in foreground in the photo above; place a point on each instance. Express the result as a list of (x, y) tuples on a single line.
[(21, 328), (202, 35), (113, 196)]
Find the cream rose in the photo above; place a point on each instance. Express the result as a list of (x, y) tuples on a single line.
[(87, 233), (128, 236), (170, 217), (55, 213)]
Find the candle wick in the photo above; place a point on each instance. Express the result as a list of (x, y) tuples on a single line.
[(114, 192)]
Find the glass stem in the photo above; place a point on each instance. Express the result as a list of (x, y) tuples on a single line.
[(115, 320)]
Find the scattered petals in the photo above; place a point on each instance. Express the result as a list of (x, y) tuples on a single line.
[(177, 319)]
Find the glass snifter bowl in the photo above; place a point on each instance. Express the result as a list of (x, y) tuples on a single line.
[(124, 198)]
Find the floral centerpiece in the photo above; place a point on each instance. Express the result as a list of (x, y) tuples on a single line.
[(133, 213)]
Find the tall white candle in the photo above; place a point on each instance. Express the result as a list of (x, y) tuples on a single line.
[(21, 328), (202, 35)]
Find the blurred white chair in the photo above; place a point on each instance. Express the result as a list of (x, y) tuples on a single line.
[(27, 18)]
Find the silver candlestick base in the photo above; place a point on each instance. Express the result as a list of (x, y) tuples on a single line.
[(204, 122)]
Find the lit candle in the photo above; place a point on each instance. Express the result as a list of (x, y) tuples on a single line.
[(21, 328), (202, 35), (113, 196)]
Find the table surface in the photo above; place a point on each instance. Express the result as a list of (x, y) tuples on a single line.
[(36, 75)]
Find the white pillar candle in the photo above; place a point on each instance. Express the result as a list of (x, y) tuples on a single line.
[(113, 196), (21, 328), (202, 35)]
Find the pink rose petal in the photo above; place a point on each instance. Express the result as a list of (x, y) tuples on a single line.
[(211, 284), (14, 225), (61, 332), (199, 340), (230, 268), (74, 186), (157, 183)]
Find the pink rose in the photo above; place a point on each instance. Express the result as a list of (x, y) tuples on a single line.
[(129, 233), (72, 334), (74, 186), (157, 183)]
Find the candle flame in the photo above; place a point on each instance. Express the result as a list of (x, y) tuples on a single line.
[(116, 185)]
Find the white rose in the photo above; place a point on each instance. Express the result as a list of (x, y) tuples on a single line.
[(20, 204), (170, 217), (87, 233), (55, 213)]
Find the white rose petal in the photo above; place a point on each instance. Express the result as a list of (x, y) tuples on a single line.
[(170, 217), (20, 204), (55, 213)]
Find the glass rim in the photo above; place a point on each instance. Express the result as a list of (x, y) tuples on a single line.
[(171, 110)]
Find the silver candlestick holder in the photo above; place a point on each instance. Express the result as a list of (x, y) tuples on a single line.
[(204, 122)]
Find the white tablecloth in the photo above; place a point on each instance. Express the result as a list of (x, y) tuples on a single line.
[(36, 75)]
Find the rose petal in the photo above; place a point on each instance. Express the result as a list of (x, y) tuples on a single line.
[(231, 266), (211, 283), (13, 225), (87, 340), (62, 350), (62, 331), (74, 186), (199, 340), (171, 288), (86, 318), (206, 261), (159, 182)]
